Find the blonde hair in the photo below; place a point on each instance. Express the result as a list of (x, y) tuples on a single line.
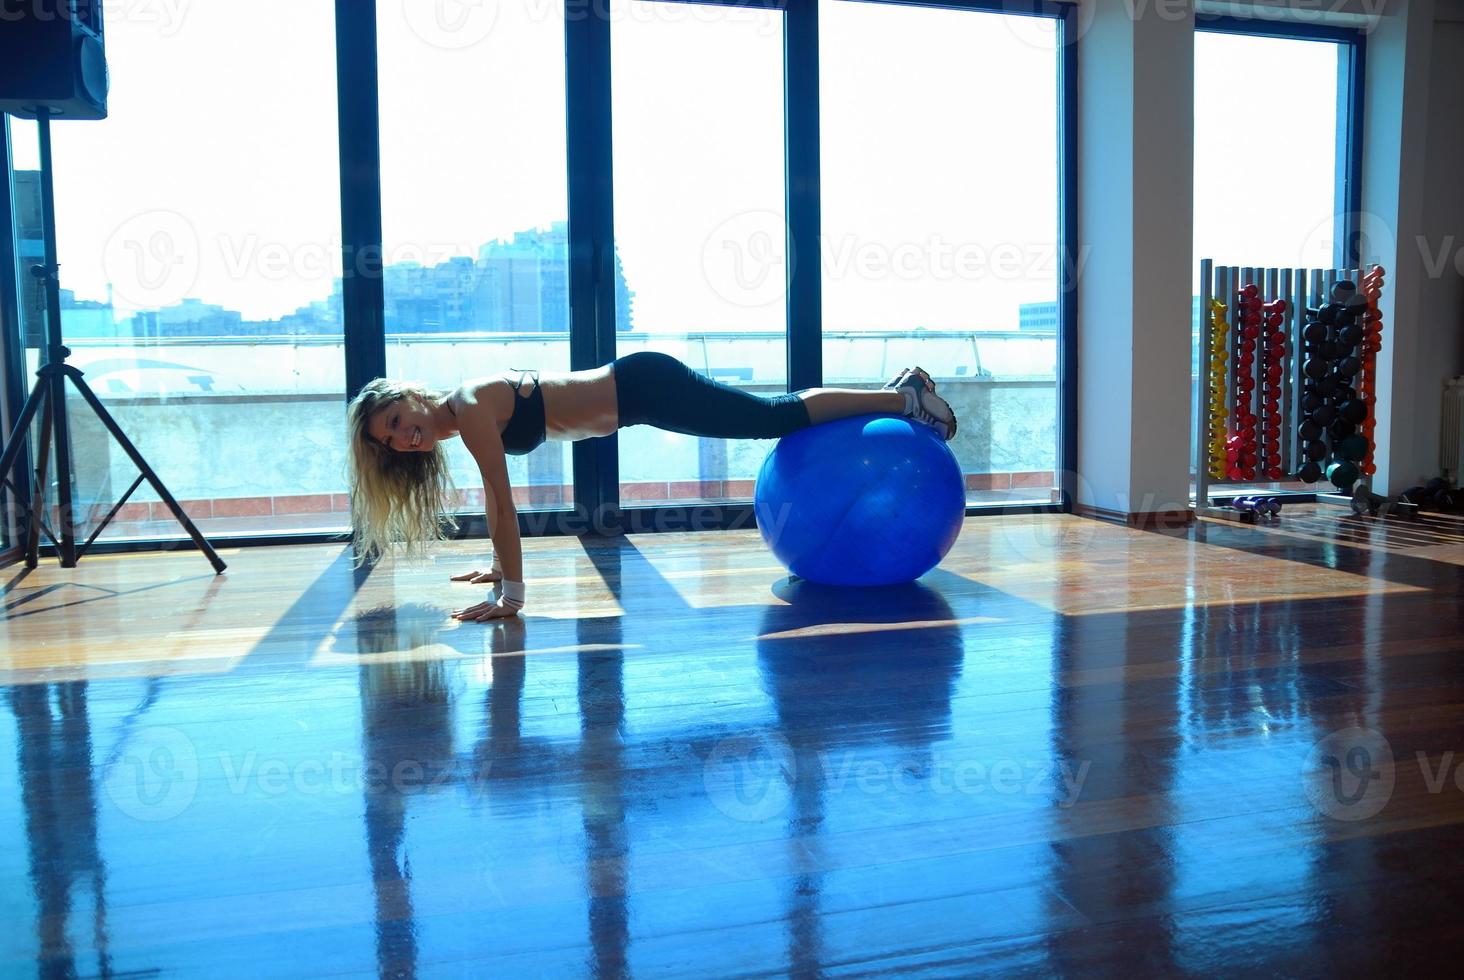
[(396, 498)]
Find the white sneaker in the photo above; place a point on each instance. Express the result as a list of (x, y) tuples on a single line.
[(923, 405), (904, 376)]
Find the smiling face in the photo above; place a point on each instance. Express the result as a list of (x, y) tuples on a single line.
[(404, 426), (397, 470)]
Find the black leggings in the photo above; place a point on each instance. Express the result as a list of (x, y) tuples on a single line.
[(657, 389)]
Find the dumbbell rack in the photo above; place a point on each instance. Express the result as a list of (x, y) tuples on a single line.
[(1300, 289)]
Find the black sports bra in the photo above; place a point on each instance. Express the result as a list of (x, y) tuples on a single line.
[(525, 429)]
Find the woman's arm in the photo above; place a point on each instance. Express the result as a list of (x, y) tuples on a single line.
[(508, 550), (480, 435)]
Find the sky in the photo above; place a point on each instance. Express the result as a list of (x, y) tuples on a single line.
[(215, 179), (1265, 150)]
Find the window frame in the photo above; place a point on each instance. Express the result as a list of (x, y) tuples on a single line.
[(589, 175), (13, 383)]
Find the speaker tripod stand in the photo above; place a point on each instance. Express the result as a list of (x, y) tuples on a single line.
[(48, 400)]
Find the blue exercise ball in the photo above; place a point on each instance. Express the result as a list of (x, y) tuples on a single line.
[(871, 500)]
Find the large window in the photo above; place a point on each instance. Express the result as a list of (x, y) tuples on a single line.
[(1273, 174), (1266, 190), (201, 231), (699, 224), (198, 236), (474, 209), (940, 223)]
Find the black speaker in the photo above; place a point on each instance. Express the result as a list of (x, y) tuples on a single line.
[(52, 56)]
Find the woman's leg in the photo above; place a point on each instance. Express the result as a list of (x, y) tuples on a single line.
[(656, 389), (828, 404)]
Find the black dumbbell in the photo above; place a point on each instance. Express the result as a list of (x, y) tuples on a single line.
[(1364, 501)]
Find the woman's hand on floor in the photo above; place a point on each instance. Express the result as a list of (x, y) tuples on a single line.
[(490, 609), (476, 577)]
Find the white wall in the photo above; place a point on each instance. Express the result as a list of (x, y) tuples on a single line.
[(1441, 301), (1105, 231), (1396, 149), (1163, 239), (1135, 221)]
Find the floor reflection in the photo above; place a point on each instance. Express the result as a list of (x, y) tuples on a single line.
[(542, 795), (839, 688), (407, 720), (407, 724), (58, 796)]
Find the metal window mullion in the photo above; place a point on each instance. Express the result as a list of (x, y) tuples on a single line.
[(12, 346), (1349, 153), (362, 293), (1067, 203), (802, 194), (596, 462)]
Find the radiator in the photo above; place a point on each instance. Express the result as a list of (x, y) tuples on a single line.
[(1451, 430)]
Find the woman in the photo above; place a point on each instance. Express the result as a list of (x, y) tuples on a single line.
[(399, 475)]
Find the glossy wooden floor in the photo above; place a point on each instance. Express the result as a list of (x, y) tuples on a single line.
[(1073, 749)]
